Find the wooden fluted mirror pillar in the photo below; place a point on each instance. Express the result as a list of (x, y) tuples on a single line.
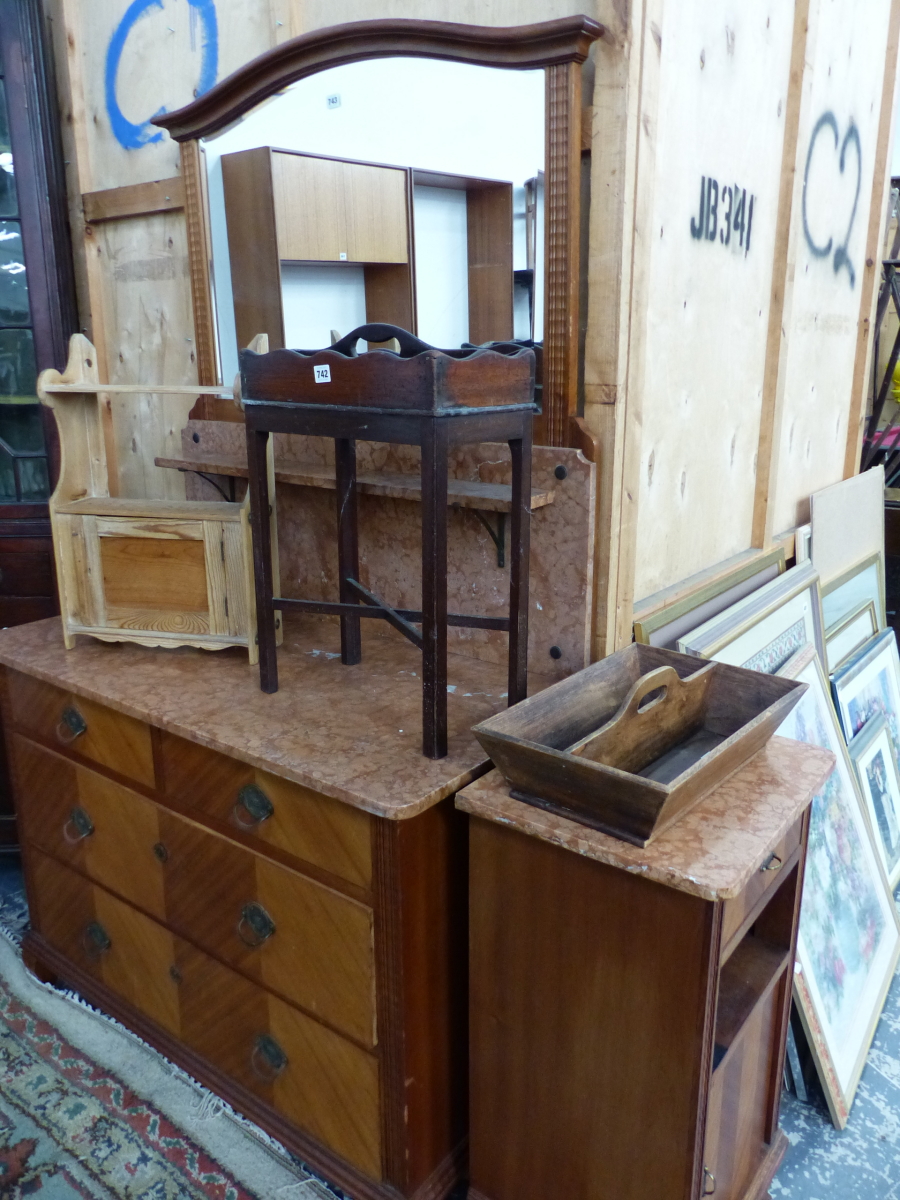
[(559, 47)]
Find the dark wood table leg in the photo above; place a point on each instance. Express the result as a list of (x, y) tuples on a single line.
[(520, 546), (348, 544), (257, 444), (434, 589)]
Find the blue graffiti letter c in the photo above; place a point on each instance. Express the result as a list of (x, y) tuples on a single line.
[(127, 133)]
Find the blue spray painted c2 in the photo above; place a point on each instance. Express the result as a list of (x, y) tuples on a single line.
[(127, 133)]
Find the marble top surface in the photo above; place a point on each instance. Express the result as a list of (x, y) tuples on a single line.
[(353, 733), (713, 850)]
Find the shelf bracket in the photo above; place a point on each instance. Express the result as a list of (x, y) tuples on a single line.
[(498, 535)]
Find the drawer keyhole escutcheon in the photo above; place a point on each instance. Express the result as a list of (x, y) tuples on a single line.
[(71, 726), (78, 827), (255, 925), (95, 940), (709, 1182), (772, 863), (251, 802), (268, 1059), (160, 852)]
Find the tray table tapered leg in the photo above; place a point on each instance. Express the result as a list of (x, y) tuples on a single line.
[(434, 589), (520, 537), (257, 445), (348, 544)]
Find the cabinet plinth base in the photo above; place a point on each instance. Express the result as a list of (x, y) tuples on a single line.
[(49, 965), (757, 1189)]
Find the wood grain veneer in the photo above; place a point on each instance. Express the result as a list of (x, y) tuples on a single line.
[(320, 954), (329, 1086), (328, 207), (622, 1041), (589, 947), (111, 738), (489, 221), (312, 828), (359, 984)]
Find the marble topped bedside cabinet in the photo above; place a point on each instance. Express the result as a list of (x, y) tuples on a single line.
[(269, 889), (629, 1006)]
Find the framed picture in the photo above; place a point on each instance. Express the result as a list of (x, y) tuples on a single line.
[(873, 756), (868, 685), (667, 624), (849, 937), (848, 592), (763, 630), (849, 634)]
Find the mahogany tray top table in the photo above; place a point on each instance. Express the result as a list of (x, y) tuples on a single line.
[(628, 1004), (418, 396), (270, 889)]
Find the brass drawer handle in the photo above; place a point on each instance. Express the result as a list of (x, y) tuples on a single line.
[(772, 863), (95, 940), (253, 801), (268, 1060), (160, 853), (71, 726), (255, 925), (78, 826), (708, 1178)]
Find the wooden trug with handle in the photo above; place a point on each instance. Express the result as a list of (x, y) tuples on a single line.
[(644, 729), (599, 748)]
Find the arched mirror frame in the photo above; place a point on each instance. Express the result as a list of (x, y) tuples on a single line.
[(559, 47)]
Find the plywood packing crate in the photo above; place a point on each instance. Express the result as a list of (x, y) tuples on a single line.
[(736, 158)]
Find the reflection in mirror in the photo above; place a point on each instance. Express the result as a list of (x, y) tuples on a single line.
[(402, 190)]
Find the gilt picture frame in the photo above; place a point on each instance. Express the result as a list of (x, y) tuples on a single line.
[(849, 937)]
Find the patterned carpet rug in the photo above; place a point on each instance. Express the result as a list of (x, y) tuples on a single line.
[(88, 1110)]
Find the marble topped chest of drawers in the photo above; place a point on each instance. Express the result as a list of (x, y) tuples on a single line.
[(289, 928)]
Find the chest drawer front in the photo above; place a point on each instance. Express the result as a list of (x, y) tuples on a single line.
[(316, 1078), (312, 1075), (108, 939), (768, 876), (93, 732), (313, 828), (304, 940), (84, 819)]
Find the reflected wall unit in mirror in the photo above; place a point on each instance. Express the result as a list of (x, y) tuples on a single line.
[(447, 157), (318, 244)]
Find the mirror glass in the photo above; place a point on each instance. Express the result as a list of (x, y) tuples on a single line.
[(403, 190)]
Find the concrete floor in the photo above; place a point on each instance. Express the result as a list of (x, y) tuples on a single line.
[(860, 1163)]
